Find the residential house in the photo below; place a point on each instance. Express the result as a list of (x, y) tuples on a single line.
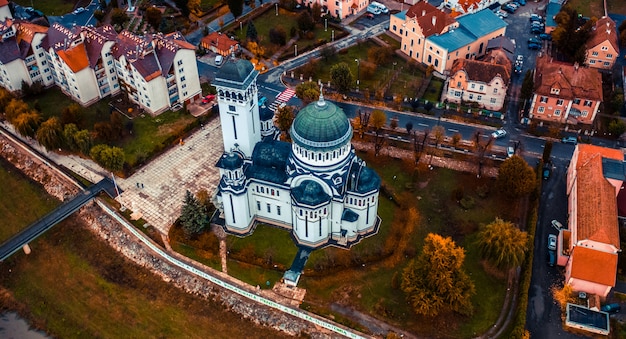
[(603, 45), (22, 58), (338, 8), (219, 43), (5, 11), (589, 247), (565, 93), (432, 37), (484, 82)]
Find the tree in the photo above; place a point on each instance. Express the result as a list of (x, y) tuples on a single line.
[(82, 139), (251, 33), (193, 6), (305, 22), (572, 33), (111, 158), (380, 55), (503, 244), (409, 127), (278, 35), (341, 76), (235, 6), (256, 49), (5, 97), (547, 150), (27, 123), (527, 86), (516, 178), (316, 12), (182, 6), (284, 119), (439, 133), (103, 131), (327, 52), (119, 17), (563, 295), (50, 133), (378, 119), (69, 131), (99, 15), (14, 108), (616, 128), (193, 216), (480, 148), (436, 281), (72, 115), (308, 92), (154, 17)]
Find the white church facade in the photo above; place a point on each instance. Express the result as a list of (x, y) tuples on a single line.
[(316, 187)]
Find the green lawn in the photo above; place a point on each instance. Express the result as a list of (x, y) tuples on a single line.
[(49, 7), (433, 92), (588, 8), (21, 201)]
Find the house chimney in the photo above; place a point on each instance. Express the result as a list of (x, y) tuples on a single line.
[(423, 12), (434, 20), (576, 66)]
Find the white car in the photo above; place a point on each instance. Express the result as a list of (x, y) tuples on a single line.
[(501, 133), (510, 151), (502, 13), (552, 242), (79, 10), (556, 224)]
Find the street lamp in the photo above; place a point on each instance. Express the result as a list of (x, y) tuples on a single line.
[(240, 26), (296, 49), (358, 66), (394, 66), (332, 34), (325, 24), (276, 9)]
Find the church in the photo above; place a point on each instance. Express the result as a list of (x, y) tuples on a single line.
[(315, 187)]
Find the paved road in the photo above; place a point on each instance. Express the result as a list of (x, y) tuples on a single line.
[(38, 228)]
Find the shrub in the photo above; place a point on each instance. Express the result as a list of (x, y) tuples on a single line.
[(467, 203)]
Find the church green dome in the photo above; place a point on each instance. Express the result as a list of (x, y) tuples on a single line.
[(321, 126)]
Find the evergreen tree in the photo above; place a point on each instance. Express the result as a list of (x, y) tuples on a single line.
[(436, 281), (341, 77), (251, 33), (503, 244), (194, 216), (235, 6)]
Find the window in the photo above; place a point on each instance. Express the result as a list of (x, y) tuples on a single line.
[(472, 86), (554, 90), (493, 100), (541, 109), (543, 99), (588, 103), (495, 91), (457, 94), (609, 56), (272, 191), (557, 113), (594, 53), (584, 113), (604, 48), (576, 101), (394, 28), (606, 63), (182, 78), (278, 210), (559, 102), (591, 62), (480, 97), (481, 87), (269, 208), (258, 205), (232, 108), (180, 62), (180, 70), (458, 84), (471, 96), (411, 42)]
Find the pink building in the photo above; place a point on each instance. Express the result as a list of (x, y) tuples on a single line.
[(338, 8)]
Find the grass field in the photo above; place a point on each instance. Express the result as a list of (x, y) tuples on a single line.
[(594, 8), (49, 7), (21, 201), (75, 286)]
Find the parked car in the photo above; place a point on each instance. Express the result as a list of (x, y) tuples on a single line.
[(536, 30), (510, 151), (534, 41), (521, 2), (546, 173), (569, 140), (535, 17), (502, 13), (537, 24), (208, 98), (79, 10), (501, 133), (545, 36), (552, 242), (262, 101), (509, 9), (551, 258), (513, 4), (556, 224), (369, 15), (218, 60), (534, 46), (611, 308)]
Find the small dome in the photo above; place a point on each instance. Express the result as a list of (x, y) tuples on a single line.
[(235, 73), (310, 193), (321, 125), (230, 161)]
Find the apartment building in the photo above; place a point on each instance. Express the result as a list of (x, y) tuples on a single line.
[(5, 11), (22, 58)]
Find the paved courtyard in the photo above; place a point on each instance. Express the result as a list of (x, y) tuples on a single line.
[(156, 192)]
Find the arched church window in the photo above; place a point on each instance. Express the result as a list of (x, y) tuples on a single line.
[(228, 94), (221, 93), (240, 97)]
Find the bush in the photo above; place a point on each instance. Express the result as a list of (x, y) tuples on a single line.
[(467, 203), (278, 35)]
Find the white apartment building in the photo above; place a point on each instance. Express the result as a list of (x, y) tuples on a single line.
[(22, 57)]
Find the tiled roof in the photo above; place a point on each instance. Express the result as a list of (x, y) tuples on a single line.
[(148, 66), (26, 30), (58, 37), (9, 50), (221, 41), (75, 57), (573, 81), (4, 3), (94, 39), (469, 4), (597, 207), (429, 18), (481, 71), (501, 42), (605, 30), (595, 266)]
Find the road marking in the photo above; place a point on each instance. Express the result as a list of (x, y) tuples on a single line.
[(423, 125), (453, 130)]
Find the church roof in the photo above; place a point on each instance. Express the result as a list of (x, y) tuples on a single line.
[(321, 125), (269, 161), (230, 161), (235, 73), (363, 179), (310, 193)]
